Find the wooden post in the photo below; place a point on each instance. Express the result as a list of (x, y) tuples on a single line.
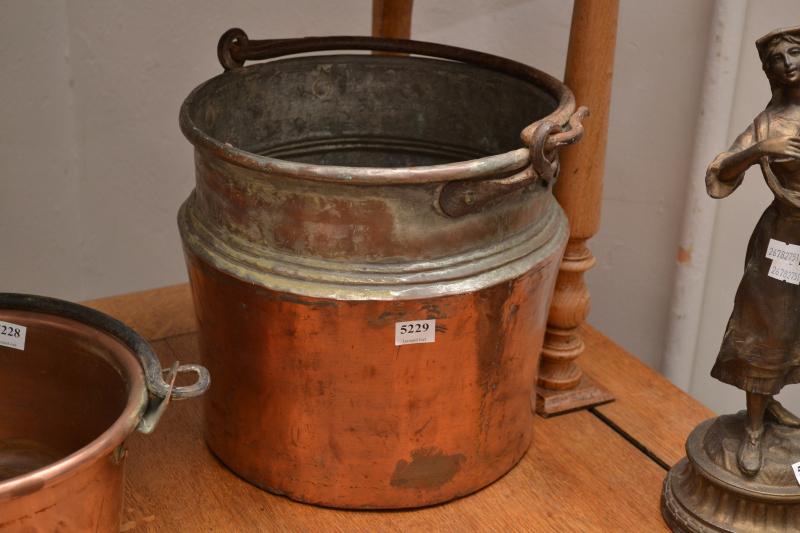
[(391, 18), (590, 60)]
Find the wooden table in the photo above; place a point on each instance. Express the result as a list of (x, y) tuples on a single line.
[(596, 470)]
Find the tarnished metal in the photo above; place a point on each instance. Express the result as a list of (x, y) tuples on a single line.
[(83, 383), (462, 197), (339, 194), (740, 471), (705, 491)]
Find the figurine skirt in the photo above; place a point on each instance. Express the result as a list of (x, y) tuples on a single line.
[(760, 351)]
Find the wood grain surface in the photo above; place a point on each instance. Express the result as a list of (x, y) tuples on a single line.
[(155, 313), (651, 410)]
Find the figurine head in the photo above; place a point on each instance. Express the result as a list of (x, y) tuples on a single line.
[(779, 52)]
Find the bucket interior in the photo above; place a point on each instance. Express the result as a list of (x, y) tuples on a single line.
[(61, 392), (369, 110)]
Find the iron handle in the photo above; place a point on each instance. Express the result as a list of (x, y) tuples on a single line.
[(458, 198), (162, 390), (168, 391), (235, 47), (563, 138)]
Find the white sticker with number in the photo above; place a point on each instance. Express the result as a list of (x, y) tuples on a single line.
[(12, 335), (783, 251), (785, 271), (785, 261), (796, 470), (414, 332)]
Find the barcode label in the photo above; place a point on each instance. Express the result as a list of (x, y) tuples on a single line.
[(785, 261)]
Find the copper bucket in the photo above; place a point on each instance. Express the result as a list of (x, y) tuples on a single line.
[(75, 384), (372, 251)]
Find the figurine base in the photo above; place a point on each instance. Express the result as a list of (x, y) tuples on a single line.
[(705, 491)]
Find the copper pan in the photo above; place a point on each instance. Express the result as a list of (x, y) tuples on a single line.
[(81, 383)]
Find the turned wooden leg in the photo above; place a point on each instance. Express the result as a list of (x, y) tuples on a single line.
[(563, 343), (392, 18), (590, 59)]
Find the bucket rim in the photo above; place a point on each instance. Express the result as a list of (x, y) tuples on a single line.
[(483, 167), (131, 344)]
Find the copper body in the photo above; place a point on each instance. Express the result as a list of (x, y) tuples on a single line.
[(69, 401), (321, 406), (300, 267)]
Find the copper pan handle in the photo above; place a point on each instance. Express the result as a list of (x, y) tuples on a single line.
[(458, 198), (161, 385)]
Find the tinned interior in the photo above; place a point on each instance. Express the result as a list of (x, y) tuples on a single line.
[(369, 111)]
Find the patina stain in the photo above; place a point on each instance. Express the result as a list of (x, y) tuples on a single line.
[(334, 228), (430, 468), (684, 255), (395, 313)]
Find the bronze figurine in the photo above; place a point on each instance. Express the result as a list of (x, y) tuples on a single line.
[(760, 351), (740, 470)]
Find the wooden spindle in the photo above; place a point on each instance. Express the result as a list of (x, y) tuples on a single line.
[(590, 60), (392, 18)]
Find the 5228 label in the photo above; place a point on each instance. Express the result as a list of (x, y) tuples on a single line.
[(12, 335), (414, 332)]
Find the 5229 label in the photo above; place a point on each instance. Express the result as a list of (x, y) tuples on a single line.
[(414, 332), (12, 335)]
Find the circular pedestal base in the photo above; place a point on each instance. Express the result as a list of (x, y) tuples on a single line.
[(705, 492)]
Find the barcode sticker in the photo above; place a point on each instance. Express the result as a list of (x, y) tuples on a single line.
[(785, 271), (414, 332), (785, 261), (783, 251), (12, 335), (796, 470)]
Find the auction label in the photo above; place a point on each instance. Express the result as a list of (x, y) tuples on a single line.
[(785, 261), (785, 271), (796, 470), (783, 251), (414, 332), (12, 335)]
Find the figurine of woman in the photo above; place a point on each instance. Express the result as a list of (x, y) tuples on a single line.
[(760, 351)]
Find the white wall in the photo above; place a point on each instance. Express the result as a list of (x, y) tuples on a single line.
[(96, 166), (40, 207), (655, 99), (133, 64)]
